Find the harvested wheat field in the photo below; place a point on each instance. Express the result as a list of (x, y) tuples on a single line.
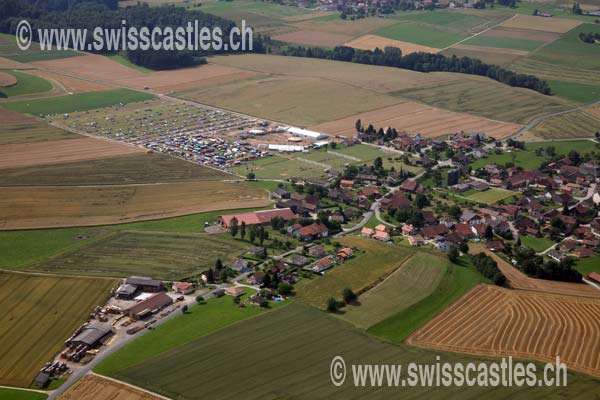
[(60, 151), (95, 387), (417, 118), (7, 79), (104, 69), (518, 280), (500, 322), (556, 25), (517, 33), (371, 42), (32, 207), (70, 84), (6, 63), (512, 52), (313, 38)]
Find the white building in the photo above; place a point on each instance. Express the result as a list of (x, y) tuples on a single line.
[(285, 148), (306, 133)]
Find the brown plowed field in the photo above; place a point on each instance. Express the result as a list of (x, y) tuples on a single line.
[(61, 206), (418, 118), (60, 151), (518, 280), (70, 84), (500, 322), (371, 42), (12, 117), (556, 25), (94, 387), (7, 79), (313, 38), (6, 63), (104, 69)]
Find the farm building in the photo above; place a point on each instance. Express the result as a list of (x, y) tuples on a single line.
[(257, 217), (126, 291), (286, 148), (90, 335), (145, 307), (240, 265), (145, 284), (183, 287), (306, 133), (235, 291)]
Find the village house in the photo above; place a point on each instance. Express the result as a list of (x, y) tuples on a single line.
[(312, 232), (317, 251), (240, 265), (344, 254), (323, 264), (183, 287)]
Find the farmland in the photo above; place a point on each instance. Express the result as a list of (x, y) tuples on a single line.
[(311, 339), (457, 280), (26, 84), (312, 38), (489, 55), (421, 35), (551, 71), (416, 279), (201, 320), (49, 310), (371, 42), (77, 102), (486, 98), (588, 265), (579, 92), (15, 394), (30, 131), (500, 322), (93, 387), (504, 43), (167, 256), (60, 151), (62, 206), (382, 260), (71, 84), (575, 124), (518, 280), (126, 169)]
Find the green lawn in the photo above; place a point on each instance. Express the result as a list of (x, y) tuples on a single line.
[(286, 354), (21, 248), (587, 265), (14, 394), (416, 279), (125, 61), (490, 196), (77, 102), (459, 278), (418, 34), (563, 147), (537, 244), (574, 91), (524, 159), (26, 84), (199, 321), (504, 43), (377, 261)]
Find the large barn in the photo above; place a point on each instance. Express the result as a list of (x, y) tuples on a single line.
[(257, 217)]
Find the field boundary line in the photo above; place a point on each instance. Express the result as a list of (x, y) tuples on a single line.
[(478, 33), (25, 389)]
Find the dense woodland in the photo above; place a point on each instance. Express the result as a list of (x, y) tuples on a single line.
[(422, 62), (104, 13)]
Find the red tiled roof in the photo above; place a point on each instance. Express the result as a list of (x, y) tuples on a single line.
[(313, 229), (258, 217)]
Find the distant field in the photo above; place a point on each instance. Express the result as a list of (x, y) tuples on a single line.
[(27, 132), (556, 25), (357, 273), (167, 256), (306, 340), (26, 84), (125, 61), (199, 321), (500, 322), (298, 101), (48, 310), (486, 98), (576, 124), (579, 92), (372, 42), (15, 394), (551, 71), (564, 146), (489, 55), (504, 43), (63, 206), (313, 38), (418, 34), (77, 102), (127, 169), (458, 279), (42, 56), (92, 387), (416, 279), (489, 196)]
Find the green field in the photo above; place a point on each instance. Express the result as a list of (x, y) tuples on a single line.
[(133, 169), (25, 247), (270, 10), (26, 84), (47, 309), (26, 132), (416, 279), (504, 43), (490, 196), (377, 261), (588, 265), (14, 394), (160, 255), (486, 98), (199, 321), (453, 21), (458, 279), (574, 91), (77, 102), (537, 244), (418, 34), (576, 124), (563, 147), (555, 72), (286, 354), (125, 61)]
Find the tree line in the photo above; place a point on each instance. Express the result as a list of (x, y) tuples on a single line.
[(589, 37), (488, 268), (421, 62)]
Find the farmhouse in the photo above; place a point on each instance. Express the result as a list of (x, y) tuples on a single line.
[(257, 217), (90, 335), (147, 306), (183, 287)]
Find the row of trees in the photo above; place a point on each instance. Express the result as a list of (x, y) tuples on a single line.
[(590, 37), (423, 62), (253, 231), (488, 268)]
